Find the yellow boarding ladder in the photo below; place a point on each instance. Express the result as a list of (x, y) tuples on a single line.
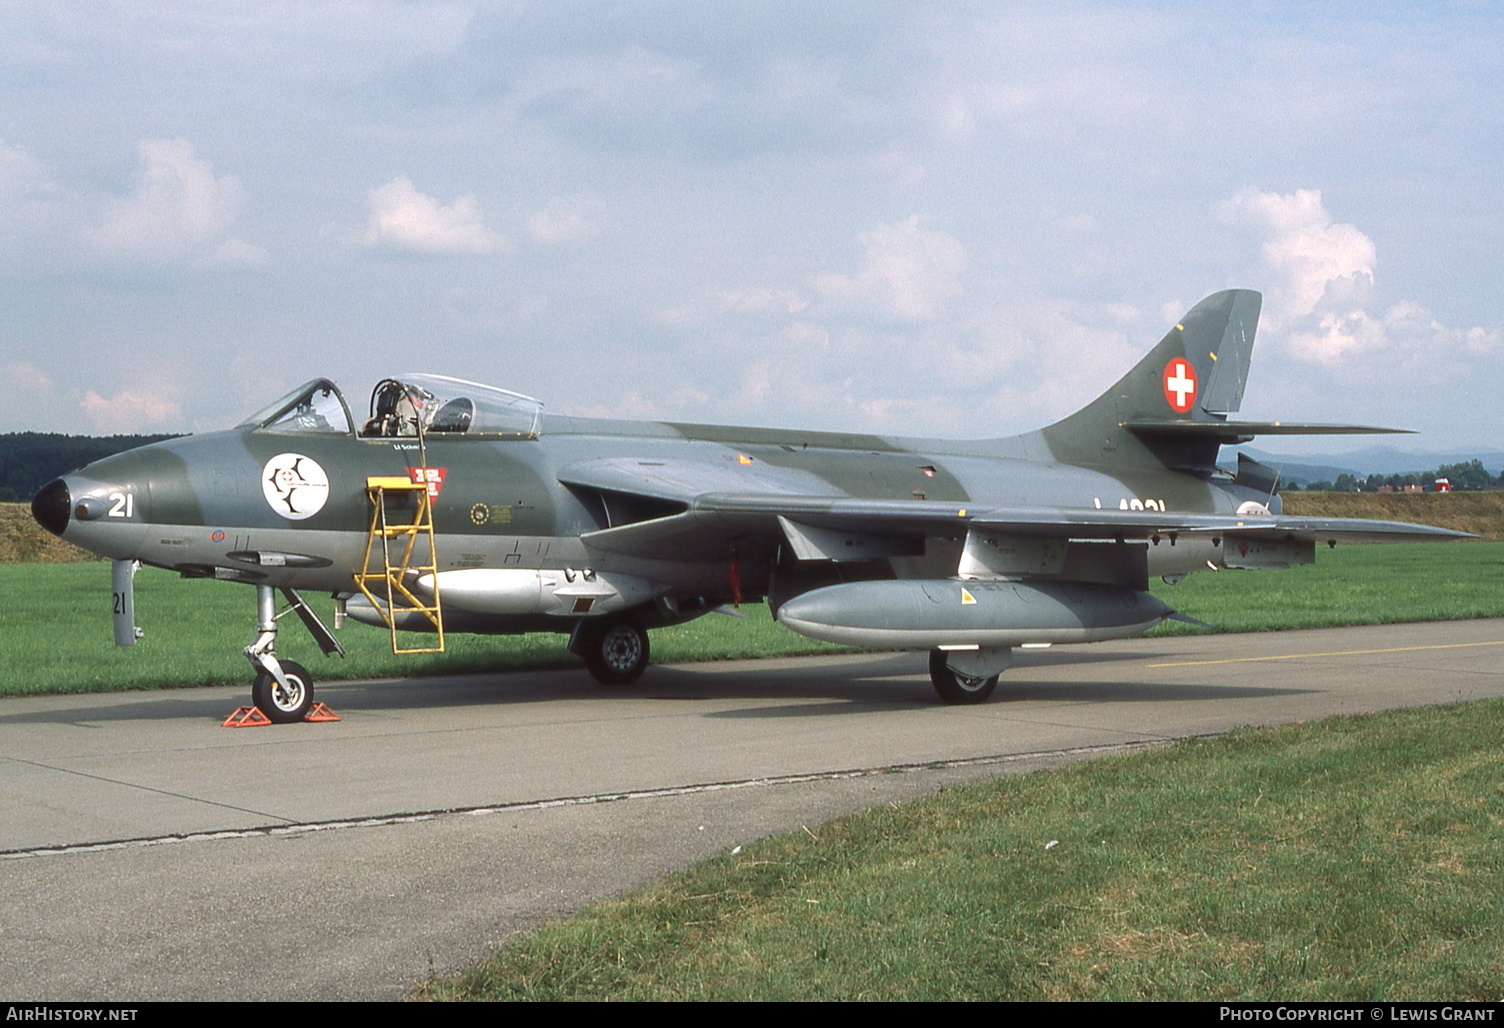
[(393, 579)]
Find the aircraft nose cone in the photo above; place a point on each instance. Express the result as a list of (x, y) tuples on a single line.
[(50, 506)]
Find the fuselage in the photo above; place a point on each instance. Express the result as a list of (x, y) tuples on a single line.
[(286, 506), (455, 506)]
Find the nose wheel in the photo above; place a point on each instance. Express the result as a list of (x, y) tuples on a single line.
[(284, 703)]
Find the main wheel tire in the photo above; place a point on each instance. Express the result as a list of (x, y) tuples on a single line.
[(956, 688), (280, 705), (616, 653)]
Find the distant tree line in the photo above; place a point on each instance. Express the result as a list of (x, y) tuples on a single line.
[(1469, 477), (29, 460)]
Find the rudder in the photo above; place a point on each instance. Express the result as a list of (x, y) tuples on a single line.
[(1196, 374)]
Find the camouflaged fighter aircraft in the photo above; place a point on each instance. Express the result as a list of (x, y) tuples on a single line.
[(456, 507)]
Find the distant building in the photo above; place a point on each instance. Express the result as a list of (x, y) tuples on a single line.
[(1443, 486)]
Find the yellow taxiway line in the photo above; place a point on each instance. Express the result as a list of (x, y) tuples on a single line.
[(1332, 653)]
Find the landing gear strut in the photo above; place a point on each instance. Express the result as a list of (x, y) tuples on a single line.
[(283, 689)]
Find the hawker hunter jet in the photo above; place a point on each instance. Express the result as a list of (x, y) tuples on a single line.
[(457, 507)]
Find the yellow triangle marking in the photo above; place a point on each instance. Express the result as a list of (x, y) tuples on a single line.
[(966, 597)]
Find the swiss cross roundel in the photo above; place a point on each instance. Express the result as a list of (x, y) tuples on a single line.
[(1180, 385)]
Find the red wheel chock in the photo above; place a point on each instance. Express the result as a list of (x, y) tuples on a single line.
[(320, 712), (246, 717), (251, 717)]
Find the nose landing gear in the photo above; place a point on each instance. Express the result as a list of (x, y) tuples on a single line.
[(283, 689)]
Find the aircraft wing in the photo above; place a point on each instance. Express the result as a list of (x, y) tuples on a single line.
[(718, 499), (1358, 530), (1133, 524), (715, 522), (702, 519)]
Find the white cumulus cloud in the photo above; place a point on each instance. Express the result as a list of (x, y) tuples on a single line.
[(908, 273), (28, 379), (129, 410), (566, 221), (178, 209), (1318, 262), (22, 176), (403, 219), (1322, 288)]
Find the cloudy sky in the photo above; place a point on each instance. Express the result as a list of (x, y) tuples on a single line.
[(939, 218)]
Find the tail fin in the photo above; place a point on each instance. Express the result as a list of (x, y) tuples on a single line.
[(1171, 409)]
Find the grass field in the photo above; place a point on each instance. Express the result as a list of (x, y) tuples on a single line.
[(55, 632), (1348, 859)]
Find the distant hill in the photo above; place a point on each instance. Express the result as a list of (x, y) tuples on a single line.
[(22, 540), (1291, 472), (1387, 460), (29, 460), (1479, 513), (1303, 469)]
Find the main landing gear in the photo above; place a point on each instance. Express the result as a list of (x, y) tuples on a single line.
[(283, 689), (968, 676), (615, 650)]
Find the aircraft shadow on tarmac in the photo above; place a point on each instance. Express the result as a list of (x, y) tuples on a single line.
[(882, 682), (1021, 691)]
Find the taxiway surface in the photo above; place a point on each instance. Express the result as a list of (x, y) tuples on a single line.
[(146, 853)]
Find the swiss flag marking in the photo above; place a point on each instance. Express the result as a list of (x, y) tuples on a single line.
[(433, 476), (1180, 385)]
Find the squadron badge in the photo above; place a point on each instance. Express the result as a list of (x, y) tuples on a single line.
[(294, 486)]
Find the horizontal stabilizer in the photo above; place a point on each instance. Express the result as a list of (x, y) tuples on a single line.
[(1232, 432)]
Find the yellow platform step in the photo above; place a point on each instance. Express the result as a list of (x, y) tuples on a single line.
[(388, 585)]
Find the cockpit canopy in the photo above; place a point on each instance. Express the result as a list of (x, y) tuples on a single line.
[(405, 406), (438, 404)]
